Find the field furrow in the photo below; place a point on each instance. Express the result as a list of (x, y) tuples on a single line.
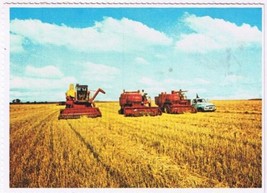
[(28, 155)]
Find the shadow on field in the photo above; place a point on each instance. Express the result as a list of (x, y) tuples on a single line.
[(112, 172)]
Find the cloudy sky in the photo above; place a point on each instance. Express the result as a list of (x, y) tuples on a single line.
[(215, 52)]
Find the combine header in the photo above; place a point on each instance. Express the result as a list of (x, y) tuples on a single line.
[(174, 103), (136, 103), (79, 103)]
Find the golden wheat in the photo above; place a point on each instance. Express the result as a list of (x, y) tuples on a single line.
[(219, 149)]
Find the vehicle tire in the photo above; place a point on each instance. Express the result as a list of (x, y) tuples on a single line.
[(167, 109), (164, 109), (120, 111), (200, 110), (194, 110)]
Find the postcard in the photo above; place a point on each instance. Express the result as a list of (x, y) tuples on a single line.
[(145, 96)]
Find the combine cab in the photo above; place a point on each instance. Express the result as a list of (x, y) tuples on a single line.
[(174, 103), (136, 103), (79, 103)]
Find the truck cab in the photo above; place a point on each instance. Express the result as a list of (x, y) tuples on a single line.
[(203, 105)]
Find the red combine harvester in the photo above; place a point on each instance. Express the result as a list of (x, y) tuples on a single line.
[(174, 103), (79, 103), (136, 103)]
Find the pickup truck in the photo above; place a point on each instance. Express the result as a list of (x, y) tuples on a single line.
[(203, 105)]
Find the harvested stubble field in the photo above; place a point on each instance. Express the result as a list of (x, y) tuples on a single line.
[(219, 149)]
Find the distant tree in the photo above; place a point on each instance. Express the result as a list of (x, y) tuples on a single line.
[(16, 101)]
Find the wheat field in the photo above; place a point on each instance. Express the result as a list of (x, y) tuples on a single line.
[(218, 149)]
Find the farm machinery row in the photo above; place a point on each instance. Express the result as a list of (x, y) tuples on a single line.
[(132, 103)]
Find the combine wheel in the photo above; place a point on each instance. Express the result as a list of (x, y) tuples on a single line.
[(120, 111), (194, 110), (168, 109)]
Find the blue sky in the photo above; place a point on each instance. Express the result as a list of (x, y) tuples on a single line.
[(215, 52)]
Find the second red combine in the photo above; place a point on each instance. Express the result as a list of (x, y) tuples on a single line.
[(136, 103), (174, 103)]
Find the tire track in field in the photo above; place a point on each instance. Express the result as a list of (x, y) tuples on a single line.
[(133, 135), (139, 137), (37, 127), (20, 128), (38, 139), (51, 158), (50, 148), (37, 134), (54, 167), (209, 135), (154, 162), (111, 171)]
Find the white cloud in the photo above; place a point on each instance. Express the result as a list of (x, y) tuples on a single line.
[(131, 31), (216, 34), (16, 42), (169, 84), (99, 72), (232, 79), (140, 60), (201, 81), (38, 95), (107, 35), (246, 94), (154, 87), (43, 72), (148, 81), (35, 84), (183, 83), (240, 93), (160, 56), (40, 84), (176, 81)]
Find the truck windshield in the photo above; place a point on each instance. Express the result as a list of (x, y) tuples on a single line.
[(201, 100)]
